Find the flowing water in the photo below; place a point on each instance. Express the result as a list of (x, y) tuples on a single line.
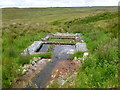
[(60, 52)]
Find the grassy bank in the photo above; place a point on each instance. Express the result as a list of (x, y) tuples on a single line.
[(77, 55), (97, 24), (100, 69)]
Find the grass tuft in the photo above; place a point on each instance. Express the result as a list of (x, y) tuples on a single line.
[(77, 54)]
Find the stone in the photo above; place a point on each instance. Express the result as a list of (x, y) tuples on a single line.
[(49, 60), (32, 49), (51, 81), (44, 59), (39, 62), (75, 58), (26, 66), (63, 82), (30, 66), (33, 62), (39, 58), (25, 52), (82, 41), (71, 51), (45, 38), (34, 58), (24, 70), (81, 47), (79, 59), (85, 55), (75, 73)]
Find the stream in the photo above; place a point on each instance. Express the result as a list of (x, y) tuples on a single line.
[(60, 53)]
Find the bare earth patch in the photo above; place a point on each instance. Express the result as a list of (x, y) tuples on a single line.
[(63, 70)]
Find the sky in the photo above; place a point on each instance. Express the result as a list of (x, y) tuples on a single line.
[(57, 3)]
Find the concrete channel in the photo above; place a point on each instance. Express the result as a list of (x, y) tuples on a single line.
[(61, 52)]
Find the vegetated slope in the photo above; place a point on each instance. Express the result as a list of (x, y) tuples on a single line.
[(100, 69), (46, 15), (20, 29)]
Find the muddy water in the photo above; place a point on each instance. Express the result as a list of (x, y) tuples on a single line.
[(60, 53)]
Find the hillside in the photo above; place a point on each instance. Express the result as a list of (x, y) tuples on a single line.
[(99, 25)]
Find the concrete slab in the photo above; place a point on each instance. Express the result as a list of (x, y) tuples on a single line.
[(81, 47), (32, 49)]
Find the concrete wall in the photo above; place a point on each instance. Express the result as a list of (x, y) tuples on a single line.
[(32, 49)]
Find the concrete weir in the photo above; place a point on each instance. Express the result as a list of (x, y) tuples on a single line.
[(32, 49), (61, 52), (81, 47), (38, 44)]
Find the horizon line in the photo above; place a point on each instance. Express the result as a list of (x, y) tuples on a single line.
[(62, 7)]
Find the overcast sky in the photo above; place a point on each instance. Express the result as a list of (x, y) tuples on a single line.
[(57, 3)]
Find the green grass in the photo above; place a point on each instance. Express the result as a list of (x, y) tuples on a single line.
[(77, 54), (93, 18), (48, 15), (24, 60), (54, 85), (61, 40), (15, 41), (100, 69), (97, 24), (50, 48), (43, 55), (55, 22)]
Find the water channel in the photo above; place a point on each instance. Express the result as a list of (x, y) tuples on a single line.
[(60, 52)]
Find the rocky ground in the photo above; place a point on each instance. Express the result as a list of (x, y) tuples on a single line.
[(30, 71), (64, 71), (41, 73)]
